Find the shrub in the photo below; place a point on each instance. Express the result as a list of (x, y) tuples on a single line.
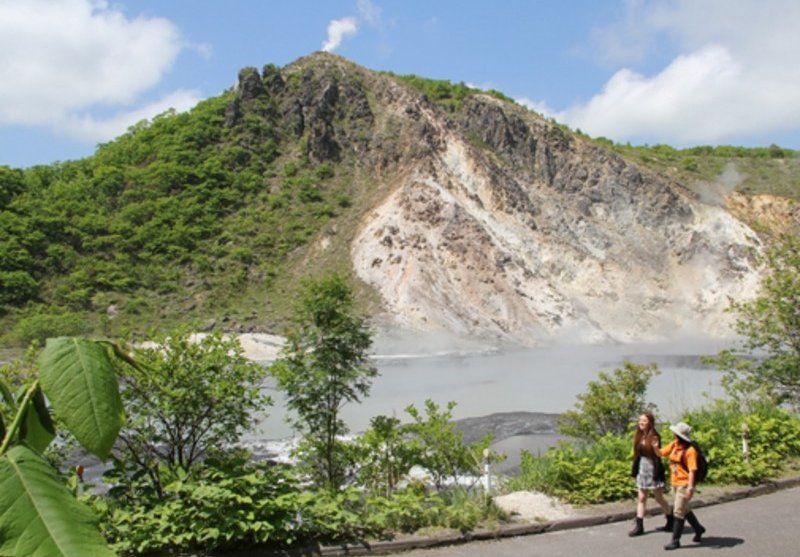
[(443, 453), (580, 473), (774, 438), (230, 503), (194, 395), (41, 325), (16, 287), (611, 403), (384, 455), (233, 503)]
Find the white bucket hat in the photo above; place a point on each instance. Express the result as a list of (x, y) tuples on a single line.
[(682, 430)]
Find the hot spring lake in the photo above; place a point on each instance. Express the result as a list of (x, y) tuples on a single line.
[(484, 381)]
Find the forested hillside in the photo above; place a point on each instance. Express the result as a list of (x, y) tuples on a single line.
[(185, 217)]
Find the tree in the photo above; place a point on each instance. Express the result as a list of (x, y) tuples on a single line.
[(190, 394), (324, 366), (38, 513), (443, 453), (766, 364), (385, 454), (611, 403)]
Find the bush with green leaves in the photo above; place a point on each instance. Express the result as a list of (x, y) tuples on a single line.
[(39, 515), (228, 503), (414, 508), (444, 455), (189, 395), (610, 404), (234, 503), (581, 473), (774, 440), (384, 455), (39, 324)]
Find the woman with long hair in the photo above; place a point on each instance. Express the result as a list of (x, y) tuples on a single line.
[(648, 471)]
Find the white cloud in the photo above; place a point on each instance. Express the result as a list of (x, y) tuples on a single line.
[(369, 12), (88, 128), (736, 75), (59, 58), (537, 106), (625, 41), (338, 30)]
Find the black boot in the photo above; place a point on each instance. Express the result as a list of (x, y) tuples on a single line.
[(677, 530), (638, 528), (668, 526), (696, 526)]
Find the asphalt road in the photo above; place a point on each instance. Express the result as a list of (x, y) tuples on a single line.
[(765, 526)]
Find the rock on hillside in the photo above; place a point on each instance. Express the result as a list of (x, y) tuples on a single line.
[(492, 221)]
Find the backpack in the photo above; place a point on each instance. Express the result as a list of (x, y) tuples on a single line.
[(702, 464)]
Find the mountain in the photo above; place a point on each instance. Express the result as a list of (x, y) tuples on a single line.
[(450, 209)]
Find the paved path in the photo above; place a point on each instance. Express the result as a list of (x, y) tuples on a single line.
[(765, 526)]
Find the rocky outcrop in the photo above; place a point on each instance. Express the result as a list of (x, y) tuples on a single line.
[(768, 213), (531, 233)]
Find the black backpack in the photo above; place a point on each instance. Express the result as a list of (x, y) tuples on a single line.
[(702, 464)]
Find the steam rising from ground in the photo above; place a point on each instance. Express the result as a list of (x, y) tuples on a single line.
[(716, 192)]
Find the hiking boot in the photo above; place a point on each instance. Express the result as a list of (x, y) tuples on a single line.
[(677, 531), (638, 528), (668, 526), (696, 526)]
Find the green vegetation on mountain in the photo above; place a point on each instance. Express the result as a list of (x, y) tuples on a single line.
[(445, 93), (770, 170), (181, 216)]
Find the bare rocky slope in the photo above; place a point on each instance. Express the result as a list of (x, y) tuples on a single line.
[(488, 220)]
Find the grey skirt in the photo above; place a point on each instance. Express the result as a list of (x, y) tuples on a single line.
[(646, 478)]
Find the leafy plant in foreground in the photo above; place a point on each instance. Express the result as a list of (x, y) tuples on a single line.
[(229, 502), (38, 513)]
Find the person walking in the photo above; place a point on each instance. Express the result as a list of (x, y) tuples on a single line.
[(683, 468), (648, 471)]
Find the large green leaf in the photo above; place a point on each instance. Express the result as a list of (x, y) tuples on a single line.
[(78, 377), (39, 517), (37, 429)]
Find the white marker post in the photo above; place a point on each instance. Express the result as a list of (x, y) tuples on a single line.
[(487, 469), (745, 442)]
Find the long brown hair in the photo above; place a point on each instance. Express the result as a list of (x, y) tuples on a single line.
[(646, 436)]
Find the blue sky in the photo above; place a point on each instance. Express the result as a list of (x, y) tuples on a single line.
[(78, 72)]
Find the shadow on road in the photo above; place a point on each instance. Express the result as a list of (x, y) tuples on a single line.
[(716, 542)]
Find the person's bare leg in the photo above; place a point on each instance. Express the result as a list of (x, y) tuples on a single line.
[(638, 527), (641, 503)]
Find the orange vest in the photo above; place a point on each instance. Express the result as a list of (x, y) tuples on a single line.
[(681, 461)]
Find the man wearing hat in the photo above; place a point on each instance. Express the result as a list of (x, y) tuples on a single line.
[(683, 467)]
